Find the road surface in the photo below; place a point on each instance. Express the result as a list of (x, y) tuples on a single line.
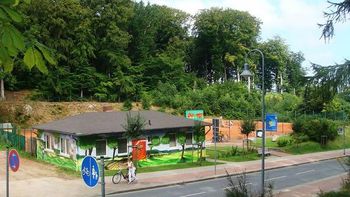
[(280, 179)]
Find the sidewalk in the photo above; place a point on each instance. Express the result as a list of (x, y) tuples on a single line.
[(171, 177)]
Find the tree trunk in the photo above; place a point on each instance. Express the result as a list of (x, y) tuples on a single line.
[(90, 151), (113, 153), (247, 142), (238, 75), (81, 93), (201, 153), (2, 90), (281, 84), (183, 151), (85, 152)]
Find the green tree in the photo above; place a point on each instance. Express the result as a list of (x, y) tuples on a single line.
[(112, 142), (158, 44), (199, 138), (181, 138), (248, 126), (276, 54), (87, 143), (221, 39), (134, 126), (66, 27), (110, 23)]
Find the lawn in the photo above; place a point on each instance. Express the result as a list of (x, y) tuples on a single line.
[(310, 146), (230, 153), (170, 161), (268, 143)]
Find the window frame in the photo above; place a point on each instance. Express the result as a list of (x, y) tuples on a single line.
[(105, 148), (170, 142)]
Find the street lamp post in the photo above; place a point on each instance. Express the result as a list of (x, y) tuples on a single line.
[(247, 74)]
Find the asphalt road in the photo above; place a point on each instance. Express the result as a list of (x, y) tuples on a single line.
[(280, 178)]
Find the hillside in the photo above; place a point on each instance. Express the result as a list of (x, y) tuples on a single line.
[(22, 111)]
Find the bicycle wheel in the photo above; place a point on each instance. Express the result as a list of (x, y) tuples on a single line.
[(116, 178)]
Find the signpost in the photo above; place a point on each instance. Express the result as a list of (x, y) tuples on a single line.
[(216, 125), (341, 132), (12, 162), (89, 171)]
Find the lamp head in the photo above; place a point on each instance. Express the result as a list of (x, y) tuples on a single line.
[(246, 72)]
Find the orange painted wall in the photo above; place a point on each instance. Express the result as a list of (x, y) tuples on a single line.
[(233, 130)]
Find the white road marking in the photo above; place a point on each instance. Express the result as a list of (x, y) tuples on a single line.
[(195, 194), (280, 177), (305, 172)]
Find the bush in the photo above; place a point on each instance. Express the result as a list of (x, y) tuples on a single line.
[(314, 128), (146, 101), (127, 105), (283, 141)]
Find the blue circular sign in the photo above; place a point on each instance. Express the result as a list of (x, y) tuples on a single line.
[(90, 171), (13, 160)]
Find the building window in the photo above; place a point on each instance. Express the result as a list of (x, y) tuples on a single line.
[(188, 138), (64, 145), (101, 147), (122, 146), (48, 141), (172, 140)]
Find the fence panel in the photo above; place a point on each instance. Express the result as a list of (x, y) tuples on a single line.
[(15, 140)]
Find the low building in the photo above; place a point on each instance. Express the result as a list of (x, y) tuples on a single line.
[(65, 142)]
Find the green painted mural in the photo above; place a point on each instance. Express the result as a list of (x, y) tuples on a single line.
[(54, 157)]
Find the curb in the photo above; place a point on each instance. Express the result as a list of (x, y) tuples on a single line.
[(217, 176)]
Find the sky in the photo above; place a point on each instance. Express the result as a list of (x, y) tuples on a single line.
[(295, 21)]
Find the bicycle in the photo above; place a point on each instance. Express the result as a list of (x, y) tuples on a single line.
[(118, 176)]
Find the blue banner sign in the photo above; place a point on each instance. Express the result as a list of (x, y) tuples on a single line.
[(271, 122)]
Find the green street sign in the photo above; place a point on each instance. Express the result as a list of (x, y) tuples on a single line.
[(195, 114)]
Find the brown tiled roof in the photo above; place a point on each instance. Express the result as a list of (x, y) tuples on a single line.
[(112, 122)]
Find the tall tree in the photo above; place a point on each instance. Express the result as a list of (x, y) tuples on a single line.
[(325, 84), (110, 22), (276, 57), (221, 39), (158, 44), (64, 26)]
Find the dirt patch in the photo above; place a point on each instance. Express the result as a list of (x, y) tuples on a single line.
[(18, 109), (30, 169)]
